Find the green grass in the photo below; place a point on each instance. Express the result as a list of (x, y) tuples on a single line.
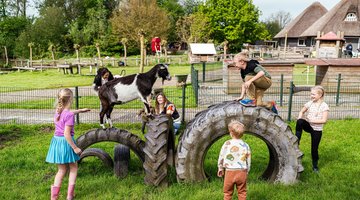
[(92, 102), (25, 175), (52, 78), (301, 75)]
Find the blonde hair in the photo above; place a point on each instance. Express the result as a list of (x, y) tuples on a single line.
[(320, 89), (244, 55), (232, 126), (64, 97)]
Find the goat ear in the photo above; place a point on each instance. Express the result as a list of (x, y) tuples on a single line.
[(162, 67)]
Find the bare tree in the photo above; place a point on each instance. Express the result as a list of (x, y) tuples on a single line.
[(281, 17)]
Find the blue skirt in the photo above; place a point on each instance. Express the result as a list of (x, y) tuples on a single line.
[(60, 152)]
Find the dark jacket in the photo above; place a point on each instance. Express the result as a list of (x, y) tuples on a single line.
[(250, 66)]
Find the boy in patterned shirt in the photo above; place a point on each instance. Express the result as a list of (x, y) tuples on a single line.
[(234, 161)]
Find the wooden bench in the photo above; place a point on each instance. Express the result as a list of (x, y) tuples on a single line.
[(28, 68), (67, 68)]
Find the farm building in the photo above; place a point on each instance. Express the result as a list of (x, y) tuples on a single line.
[(303, 30)]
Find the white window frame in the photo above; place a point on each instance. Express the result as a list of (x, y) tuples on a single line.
[(351, 17), (301, 39)]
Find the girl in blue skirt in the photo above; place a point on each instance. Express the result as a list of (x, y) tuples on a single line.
[(63, 150)]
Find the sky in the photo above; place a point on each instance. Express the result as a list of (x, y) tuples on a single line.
[(267, 7), (294, 7)]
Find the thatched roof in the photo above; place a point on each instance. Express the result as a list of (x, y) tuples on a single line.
[(303, 21), (334, 20)]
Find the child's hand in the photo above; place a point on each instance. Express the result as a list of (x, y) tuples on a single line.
[(220, 173), (84, 110), (77, 150)]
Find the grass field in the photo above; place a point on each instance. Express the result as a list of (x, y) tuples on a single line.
[(25, 175)]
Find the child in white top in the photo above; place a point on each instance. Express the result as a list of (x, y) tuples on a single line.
[(234, 161), (311, 119)]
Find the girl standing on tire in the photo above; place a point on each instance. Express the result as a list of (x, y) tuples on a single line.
[(234, 161), (316, 111), (63, 150), (164, 106)]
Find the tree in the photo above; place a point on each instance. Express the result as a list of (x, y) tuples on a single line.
[(282, 18), (272, 27), (140, 15), (277, 21), (193, 28), (124, 41), (10, 30), (236, 21)]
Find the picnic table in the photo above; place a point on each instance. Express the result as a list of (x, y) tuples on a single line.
[(68, 68)]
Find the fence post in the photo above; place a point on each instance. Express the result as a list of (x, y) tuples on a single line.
[(338, 89), (77, 104), (196, 77), (291, 92), (203, 66), (183, 103), (281, 89)]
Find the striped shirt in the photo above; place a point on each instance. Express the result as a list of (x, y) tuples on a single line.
[(235, 154), (315, 111)]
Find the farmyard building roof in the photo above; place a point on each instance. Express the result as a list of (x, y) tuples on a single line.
[(303, 21), (344, 16)]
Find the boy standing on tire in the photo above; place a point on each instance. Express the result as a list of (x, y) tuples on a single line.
[(234, 162), (256, 81)]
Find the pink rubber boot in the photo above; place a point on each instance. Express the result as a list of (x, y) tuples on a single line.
[(55, 190), (70, 193)]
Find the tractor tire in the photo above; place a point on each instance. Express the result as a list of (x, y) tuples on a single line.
[(159, 151), (208, 126), (121, 160), (114, 135), (101, 154)]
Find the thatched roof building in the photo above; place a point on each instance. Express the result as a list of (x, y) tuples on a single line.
[(343, 17), (303, 21)]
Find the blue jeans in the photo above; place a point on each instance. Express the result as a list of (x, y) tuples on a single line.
[(176, 126)]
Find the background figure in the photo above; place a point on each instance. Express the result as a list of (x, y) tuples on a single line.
[(234, 160), (164, 106), (316, 111), (103, 75), (349, 49), (256, 81), (63, 150)]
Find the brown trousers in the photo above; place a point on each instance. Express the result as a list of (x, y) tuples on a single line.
[(237, 178), (257, 90)]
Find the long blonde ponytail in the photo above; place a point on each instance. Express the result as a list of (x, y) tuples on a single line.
[(64, 98)]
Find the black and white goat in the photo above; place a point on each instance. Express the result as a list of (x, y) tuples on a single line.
[(128, 88)]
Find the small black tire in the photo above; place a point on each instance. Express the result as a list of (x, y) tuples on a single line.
[(101, 154), (121, 160)]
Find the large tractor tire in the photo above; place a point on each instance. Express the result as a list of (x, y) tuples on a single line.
[(208, 126), (99, 153), (112, 135), (159, 151), (121, 160)]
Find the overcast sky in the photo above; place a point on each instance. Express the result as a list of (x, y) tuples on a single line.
[(294, 7)]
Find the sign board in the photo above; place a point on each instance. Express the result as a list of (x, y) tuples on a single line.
[(202, 48)]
